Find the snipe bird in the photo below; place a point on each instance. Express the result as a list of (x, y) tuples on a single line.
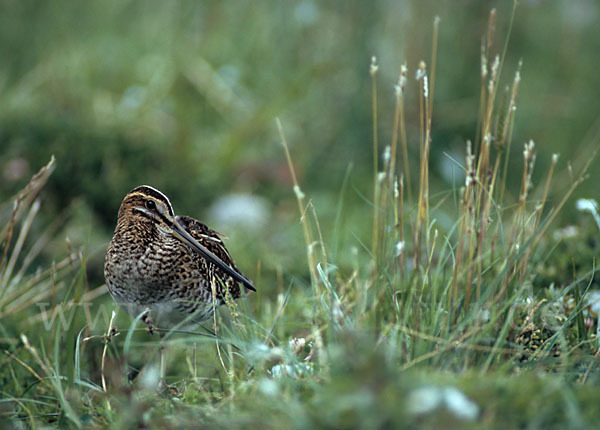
[(168, 266)]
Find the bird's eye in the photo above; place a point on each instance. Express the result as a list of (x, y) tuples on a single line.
[(150, 204)]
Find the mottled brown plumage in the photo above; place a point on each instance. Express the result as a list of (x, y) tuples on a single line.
[(170, 265)]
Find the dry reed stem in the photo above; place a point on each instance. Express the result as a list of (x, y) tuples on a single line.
[(33, 351), (104, 350), (320, 236), (22, 200), (424, 128), (35, 289), (400, 88), (12, 356), (434, 46), (301, 208), (375, 236)]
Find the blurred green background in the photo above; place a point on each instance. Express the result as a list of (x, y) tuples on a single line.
[(183, 96)]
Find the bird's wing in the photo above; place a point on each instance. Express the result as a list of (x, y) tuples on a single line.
[(211, 240)]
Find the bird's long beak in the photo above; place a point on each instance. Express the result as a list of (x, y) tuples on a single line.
[(180, 233)]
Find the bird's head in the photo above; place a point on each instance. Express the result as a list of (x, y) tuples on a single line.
[(148, 206)]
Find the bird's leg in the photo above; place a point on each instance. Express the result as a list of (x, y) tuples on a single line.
[(163, 362), (147, 319)]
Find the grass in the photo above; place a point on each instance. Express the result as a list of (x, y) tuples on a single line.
[(432, 324)]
